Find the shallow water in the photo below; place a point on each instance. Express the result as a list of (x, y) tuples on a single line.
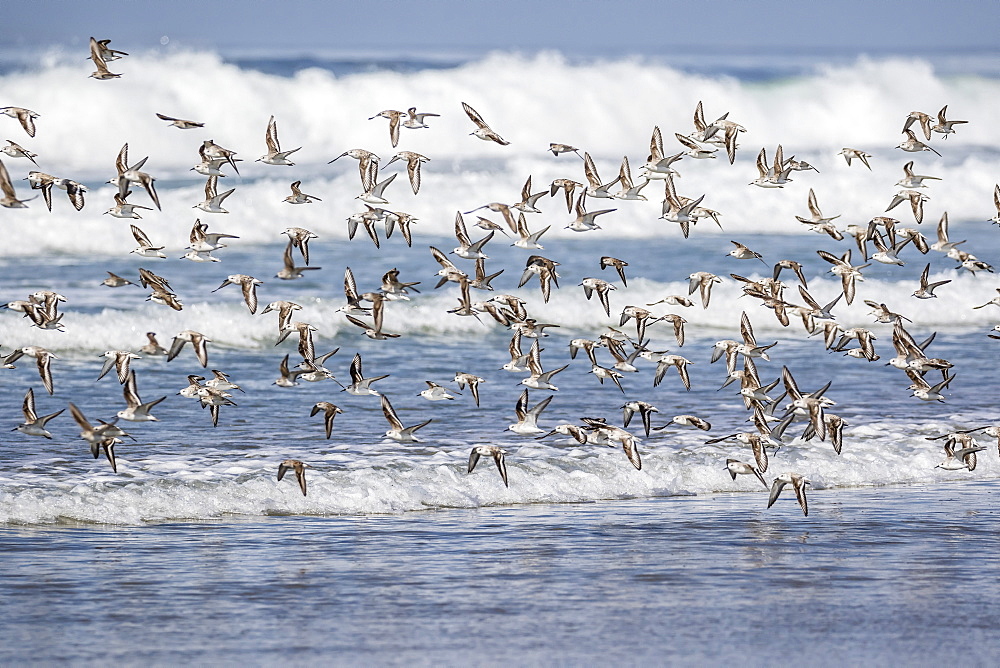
[(898, 573)]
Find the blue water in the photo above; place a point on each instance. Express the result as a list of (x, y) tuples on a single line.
[(867, 579), (194, 551)]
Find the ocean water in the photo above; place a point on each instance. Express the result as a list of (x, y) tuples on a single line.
[(406, 556)]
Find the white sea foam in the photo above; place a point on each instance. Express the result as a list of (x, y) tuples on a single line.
[(228, 324), (605, 107), (153, 488)]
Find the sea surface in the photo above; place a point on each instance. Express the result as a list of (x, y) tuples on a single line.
[(194, 551)]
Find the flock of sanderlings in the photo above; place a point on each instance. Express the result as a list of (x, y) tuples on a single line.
[(770, 418)]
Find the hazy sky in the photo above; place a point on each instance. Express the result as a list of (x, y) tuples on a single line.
[(473, 26)]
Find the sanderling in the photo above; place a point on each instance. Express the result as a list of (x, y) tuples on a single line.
[(34, 425), (397, 431), (300, 472)]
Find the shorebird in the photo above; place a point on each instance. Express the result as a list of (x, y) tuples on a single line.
[(15, 150), (329, 411), (644, 409), (180, 122), (97, 55), (657, 165), (248, 284), (695, 150), (848, 273), (291, 272), (133, 174), (911, 180), (415, 120), (742, 252), (943, 125), (213, 199), (26, 117), (619, 265), (562, 148), (197, 340), (527, 239), (606, 373), (43, 359), (287, 378), (214, 399), (775, 176), (106, 52), (853, 153), (136, 410), (528, 203), (9, 199), (220, 381), (299, 238), (602, 288), (926, 289), (120, 360), (203, 241), (466, 249), (494, 451), (943, 244), (374, 331), (519, 360), (123, 209), (568, 186), (34, 425), (361, 386), (678, 362), (702, 281), (397, 431), (960, 450), (545, 269), (100, 437), (688, 421), (374, 189), (435, 392), (996, 203), (463, 378), (916, 200), (597, 188), (364, 157), (300, 472), (305, 344), (274, 155), (584, 221), (607, 434), (394, 289), (816, 216), (483, 131), (736, 467), (527, 420), (413, 161), (212, 152), (925, 391), (193, 386), (918, 117), (642, 318), (888, 254), (577, 433), (798, 483), (675, 210), (299, 197), (394, 117), (152, 346), (913, 145), (44, 182)]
